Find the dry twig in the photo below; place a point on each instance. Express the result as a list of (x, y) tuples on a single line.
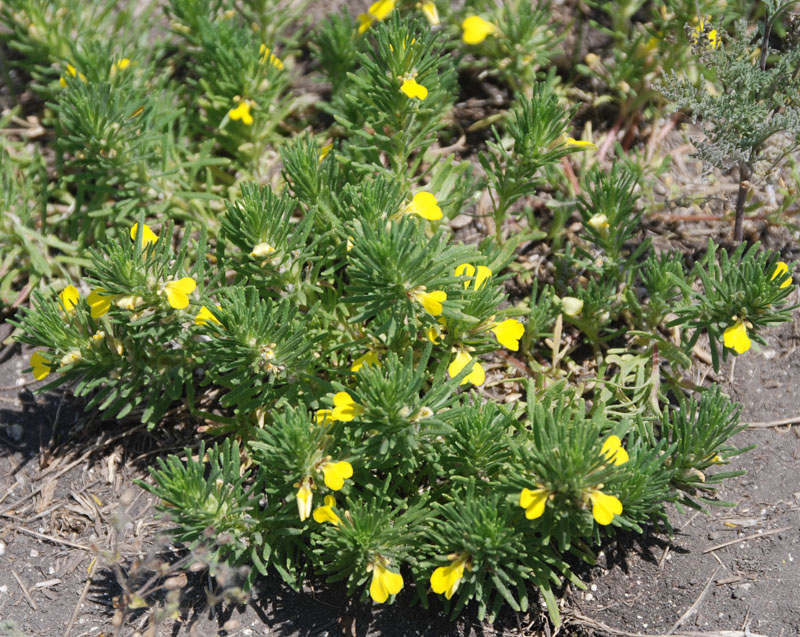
[(754, 536)]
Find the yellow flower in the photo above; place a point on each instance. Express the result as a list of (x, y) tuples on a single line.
[(41, 369), (345, 408), (432, 15), (476, 376), (412, 89), (205, 316), (614, 451), (325, 513), (579, 143), (242, 112), (364, 22), (323, 415), (264, 55), (425, 205), (148, 236), (571, 306), (381, 9), (780, 269), (508, 333), (370, 359), (736, 337), (467, 269), (69, 298), (178, 292), (123, 64), (98, 336), (435, 332), (431, 301), (261, 250), (304, 500), (712, 36), (335, 473), (384, 583), (323, 152), (604, 506), (476, 29), (446, 579), (99, 303), (533, 501), (74, 73)]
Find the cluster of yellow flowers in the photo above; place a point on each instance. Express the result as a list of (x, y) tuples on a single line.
[(712, 36), (241, 112), (475, 29), (333, 474), (508, 332), (381, 9), (446, 579), (99, 301), (604, 506)]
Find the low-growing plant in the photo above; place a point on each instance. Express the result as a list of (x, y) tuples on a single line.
[(390, 408)]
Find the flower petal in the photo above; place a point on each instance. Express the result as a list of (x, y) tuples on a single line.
[(431, 13), (205, 316), (325, 513), (477, 376), (345, 408), (425, 205), (780, 269), (381, 9), (336, 473), (533, 501), (304, 499), (69, 298), (446, 579), (480, 278), (614, 451), (431, 301), (413, 90), (99, 303), (241, 112), (40, 367), (476, 29), (604, 506), (369, 359), (508, 333), (580, 143), (465, 269), (148, 236), (178, 292), (736, 338), (384, 583)]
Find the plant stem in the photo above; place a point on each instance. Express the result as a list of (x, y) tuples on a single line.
[(741, 197), (765, 40)]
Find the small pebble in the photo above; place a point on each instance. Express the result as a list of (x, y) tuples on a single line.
[(34, 553), (2, 548)]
